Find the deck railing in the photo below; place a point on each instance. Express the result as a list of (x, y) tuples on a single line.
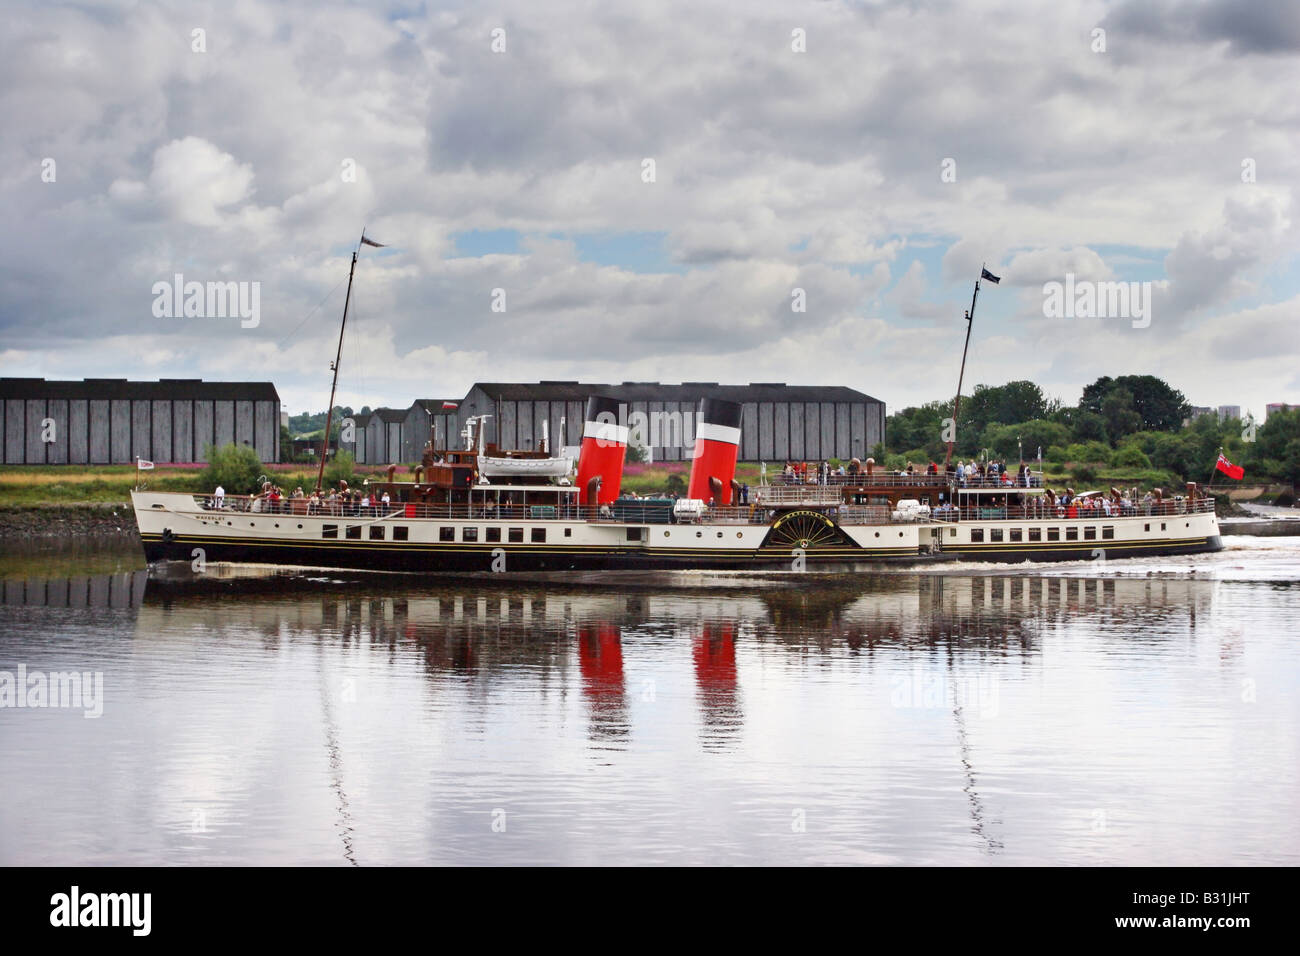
[(631, 511), (920, 479), (1040, 509)]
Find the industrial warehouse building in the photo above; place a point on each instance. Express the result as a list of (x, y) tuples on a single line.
[(113, 421), (779, 422)]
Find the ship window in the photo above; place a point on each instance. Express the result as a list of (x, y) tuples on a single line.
[(977, 534), (469, 534), (401, 533), (1016, 535), (354, 532), (1162, 526), (995, 534), (568, 532), (1071, 534), (492, 534), (635, 534), (329, 531), (1147, 526), (1035, 534), (376, 532), (1108, 531), (516, 535), (1053, 534), (539, 535), (446, 534), (952, 532), (1089, 534)]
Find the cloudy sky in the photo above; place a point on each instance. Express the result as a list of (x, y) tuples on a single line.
[(871, 154)]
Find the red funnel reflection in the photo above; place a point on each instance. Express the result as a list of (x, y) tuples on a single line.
[(600, 660), (714, 652)]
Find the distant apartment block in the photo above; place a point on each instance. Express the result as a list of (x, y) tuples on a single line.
[(1227, 412)]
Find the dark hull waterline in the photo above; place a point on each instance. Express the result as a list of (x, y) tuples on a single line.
[(433, 559)]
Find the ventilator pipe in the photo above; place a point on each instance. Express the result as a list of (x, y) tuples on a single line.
[(418, 473), (392, 470)]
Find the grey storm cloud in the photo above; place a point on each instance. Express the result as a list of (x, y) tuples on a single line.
[(775, 170), (1257, 26)]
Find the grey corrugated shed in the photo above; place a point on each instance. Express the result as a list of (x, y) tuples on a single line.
[(680, 392), (165, 389)]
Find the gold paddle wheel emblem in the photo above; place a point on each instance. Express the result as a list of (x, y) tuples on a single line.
[(804, 529)]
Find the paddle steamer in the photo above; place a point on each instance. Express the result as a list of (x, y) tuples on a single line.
[(480, 508)]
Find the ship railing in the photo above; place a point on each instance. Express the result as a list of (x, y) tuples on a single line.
[(876, 478), (1033, 480), (895, 479), (795, 494), (1042, 510)]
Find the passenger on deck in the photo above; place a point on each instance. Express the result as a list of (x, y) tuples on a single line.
[(219, 497)]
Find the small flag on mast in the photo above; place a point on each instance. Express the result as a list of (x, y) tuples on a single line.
[(1229, 469), (143, 465), (985, 274), (370, 242), (450, 405)]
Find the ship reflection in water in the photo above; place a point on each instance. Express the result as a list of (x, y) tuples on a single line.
[(268, 717)]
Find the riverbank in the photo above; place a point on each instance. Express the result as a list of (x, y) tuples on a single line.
[(62, 521)]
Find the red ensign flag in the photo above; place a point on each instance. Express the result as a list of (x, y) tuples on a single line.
[(1229, 469)]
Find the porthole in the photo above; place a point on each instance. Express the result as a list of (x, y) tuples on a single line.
[(667, 533), (719, 534), (900, 534), (877, 534), (277, 524), (299, 526), (699, 534), (740, 534), (252, 524)]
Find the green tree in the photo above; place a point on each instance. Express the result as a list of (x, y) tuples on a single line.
[(1088, 426), (236, 468), (1160, 406), (341, 467), (1119, 414), (1130, 456), (1018, 401)]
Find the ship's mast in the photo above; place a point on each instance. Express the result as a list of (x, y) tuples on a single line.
[(338, 357), (956, 405)]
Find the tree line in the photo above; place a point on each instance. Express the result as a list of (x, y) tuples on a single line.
[(1136, 424)]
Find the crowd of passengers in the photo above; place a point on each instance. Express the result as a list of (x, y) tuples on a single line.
[(1067, 505), (968, 474), (340, 501)]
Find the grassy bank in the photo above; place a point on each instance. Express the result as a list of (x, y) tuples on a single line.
[(34, 485)]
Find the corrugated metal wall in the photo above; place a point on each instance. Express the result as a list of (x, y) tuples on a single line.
[(40, 431)]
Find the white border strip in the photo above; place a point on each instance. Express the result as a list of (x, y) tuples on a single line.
[(710, 432), (605, 431)]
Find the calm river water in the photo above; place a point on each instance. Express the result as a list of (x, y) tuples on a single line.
[(1122, 712)]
